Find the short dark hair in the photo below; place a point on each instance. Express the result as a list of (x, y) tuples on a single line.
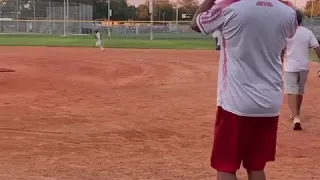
[(299, 17), (96, 31)]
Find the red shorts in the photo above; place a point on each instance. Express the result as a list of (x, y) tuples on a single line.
[(250, 140)]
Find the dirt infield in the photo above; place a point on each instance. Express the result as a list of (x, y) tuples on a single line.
[(80, 114)]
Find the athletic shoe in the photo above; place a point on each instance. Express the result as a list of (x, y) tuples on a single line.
[(297, 124)]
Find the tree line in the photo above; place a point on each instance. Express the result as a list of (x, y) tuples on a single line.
[(312, 11), (164, 10)]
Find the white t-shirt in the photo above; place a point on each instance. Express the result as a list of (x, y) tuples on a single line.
[(254, 32), (98, 36), (297, 50)]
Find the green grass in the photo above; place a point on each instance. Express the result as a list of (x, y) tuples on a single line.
[(114, 42), (89, 41), (313, 56)]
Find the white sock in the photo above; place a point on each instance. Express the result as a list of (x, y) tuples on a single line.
[(296, 120)]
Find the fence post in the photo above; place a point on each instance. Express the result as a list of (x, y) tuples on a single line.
[(1, 28), (50, 17), (85, 12), (177, 18), (80, 18), (67, 23), (137, 29), (64, 17), (54, 16), (109, 8), (34, 15), (151, 18), (76, 24), (17, 16)]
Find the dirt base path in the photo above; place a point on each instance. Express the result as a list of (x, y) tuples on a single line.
[(80, 114)]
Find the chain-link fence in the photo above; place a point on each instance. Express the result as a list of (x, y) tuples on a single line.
[(22, 16), (314, 25), (167, 30), (49, 17), (142, 30)]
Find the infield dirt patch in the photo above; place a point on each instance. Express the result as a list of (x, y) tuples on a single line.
[(80, 114)]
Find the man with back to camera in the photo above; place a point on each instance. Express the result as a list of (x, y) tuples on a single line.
[(99, 40), (296, 68), (254, 32)]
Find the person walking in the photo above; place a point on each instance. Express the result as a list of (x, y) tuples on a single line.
[(296, 68)]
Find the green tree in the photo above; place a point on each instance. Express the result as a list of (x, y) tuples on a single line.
[(187, 7), (142, 12), (132, 12), (165, 10), (316, 8), (120, 10), (100, 9)]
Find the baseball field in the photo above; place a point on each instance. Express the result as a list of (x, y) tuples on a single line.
[(141, 110)]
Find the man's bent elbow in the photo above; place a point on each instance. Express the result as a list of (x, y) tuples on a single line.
[(195, 27), (317, 49)]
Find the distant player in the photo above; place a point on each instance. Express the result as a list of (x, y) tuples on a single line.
[(250, 95), (99, 40), (296, 68), (217, 37)]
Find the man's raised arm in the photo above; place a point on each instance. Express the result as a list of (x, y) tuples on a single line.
[(209, 17)]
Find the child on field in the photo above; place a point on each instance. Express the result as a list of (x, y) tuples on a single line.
[(99, 40), (217, 37)]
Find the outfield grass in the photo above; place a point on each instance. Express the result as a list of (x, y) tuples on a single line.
[(313, 56), (115, 42), (89, 41)]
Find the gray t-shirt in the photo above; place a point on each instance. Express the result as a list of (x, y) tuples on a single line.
[(254, 33)]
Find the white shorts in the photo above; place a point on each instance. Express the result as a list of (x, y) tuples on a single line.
[(294, 82), (98, 43)]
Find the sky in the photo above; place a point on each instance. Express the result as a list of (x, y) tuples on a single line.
[(300, 3)]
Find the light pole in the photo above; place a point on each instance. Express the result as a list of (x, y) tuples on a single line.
[(164, 17), (109, 33), (151, 18), (64, 17), (312, 8), (311, 13), (177, 17), (17, 23), (1, 17), (67, 13), (34, 16)]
